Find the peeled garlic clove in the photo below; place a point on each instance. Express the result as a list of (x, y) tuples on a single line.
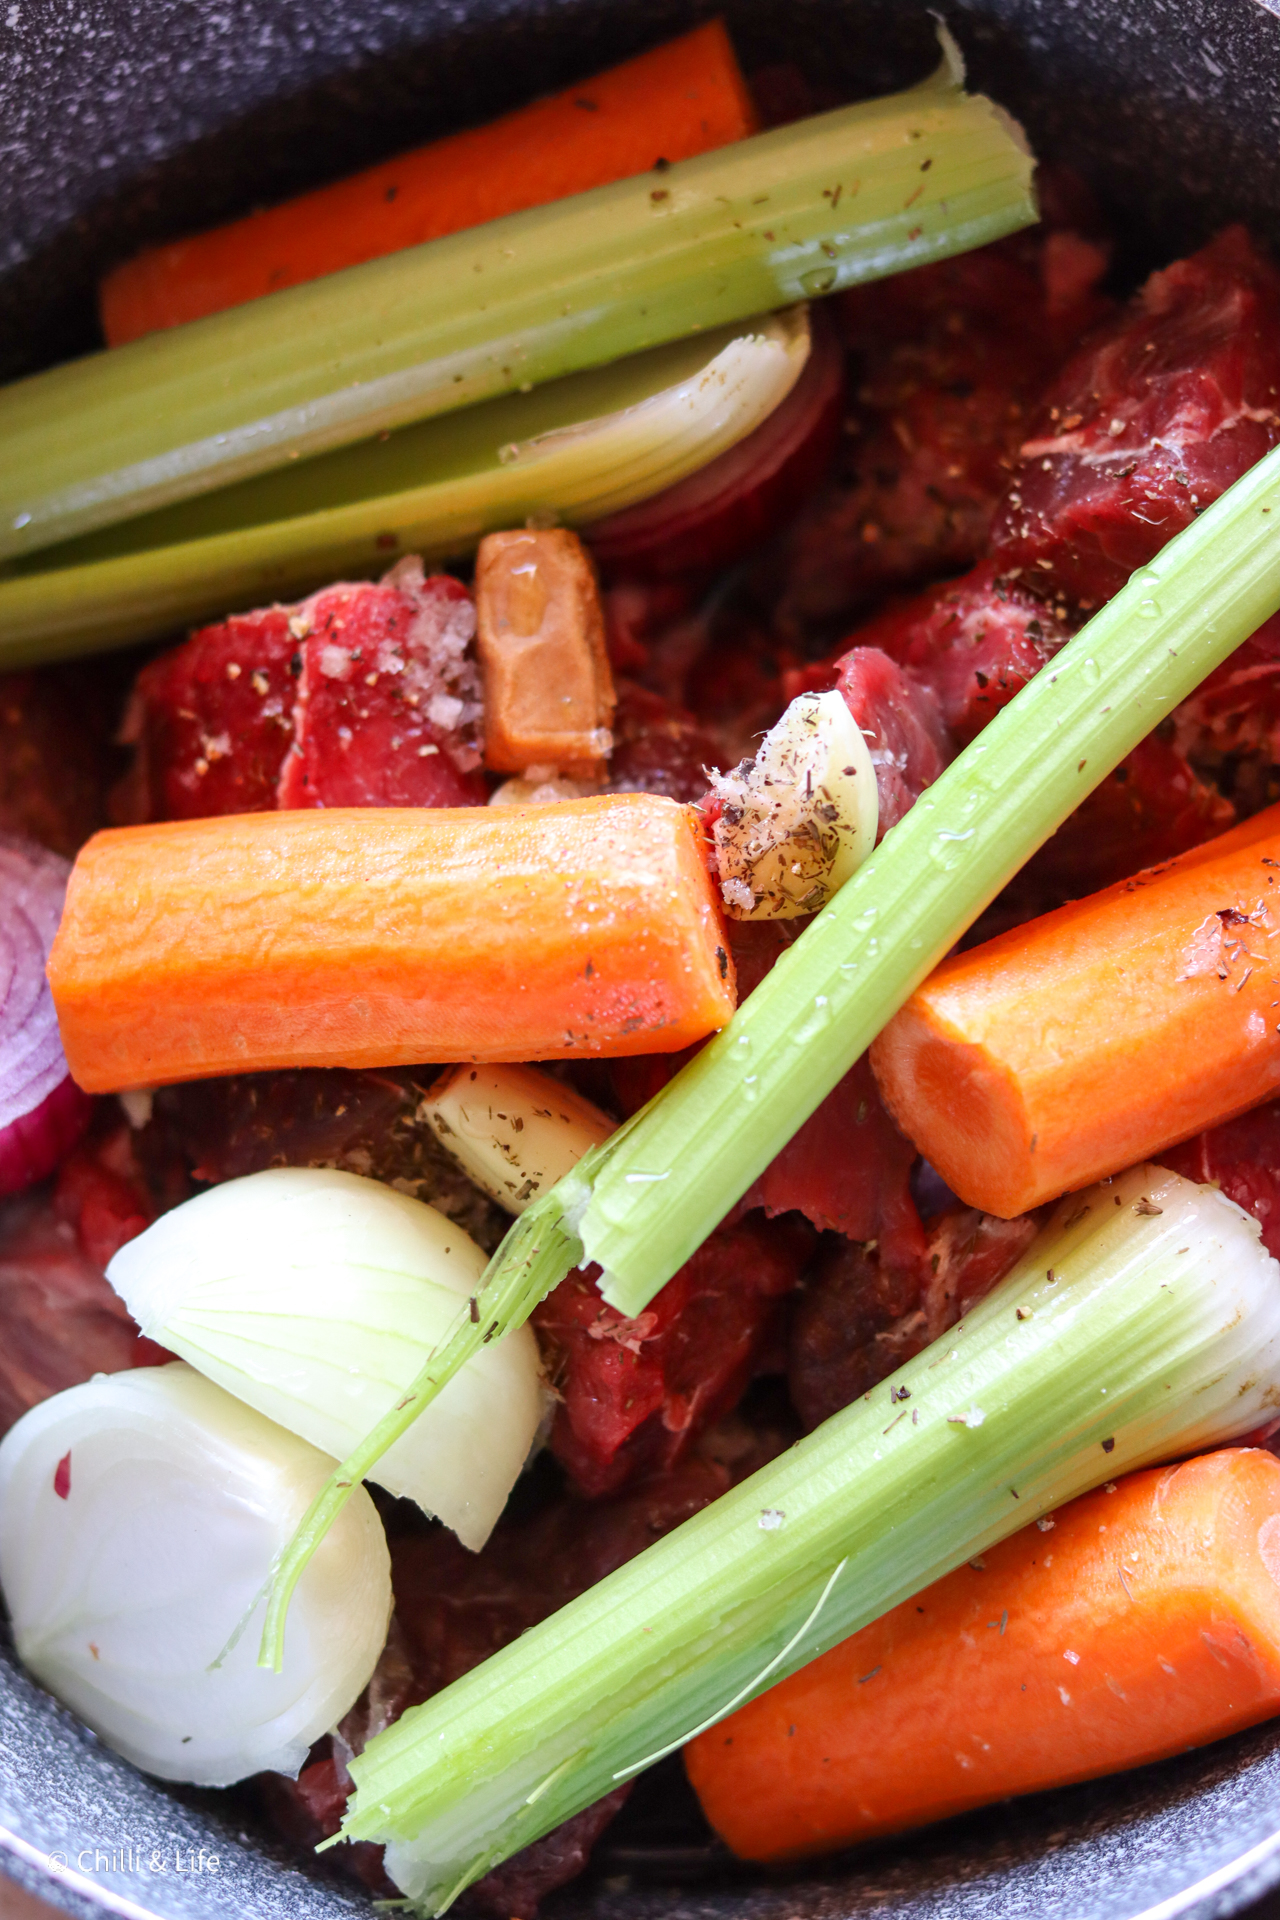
[(317, 1297), (801, 817), (513, 1130), (139, 1515)]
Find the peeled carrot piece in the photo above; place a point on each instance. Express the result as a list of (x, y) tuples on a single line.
[(1144, 1622), (682, 98), (1098, 1035), (371, 936)]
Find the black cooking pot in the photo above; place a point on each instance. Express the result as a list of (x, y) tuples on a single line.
[(128, 120)]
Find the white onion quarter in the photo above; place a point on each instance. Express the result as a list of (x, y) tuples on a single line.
[(318, 1296), (139, 1514)]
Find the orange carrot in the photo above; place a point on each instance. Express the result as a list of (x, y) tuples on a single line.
[(682, 98), (1145, 1620), (370, 936), (1098, 1035)]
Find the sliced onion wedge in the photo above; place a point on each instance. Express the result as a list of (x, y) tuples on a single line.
[(139, 1515), (317, 1297)]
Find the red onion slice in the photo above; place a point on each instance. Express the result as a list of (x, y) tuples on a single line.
[(42, 1111), (729, 507)]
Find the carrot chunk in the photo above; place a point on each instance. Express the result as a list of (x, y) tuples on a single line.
[(1145, 1620), (548, 691), (682, 98), (1100, 1034), (369, 936)]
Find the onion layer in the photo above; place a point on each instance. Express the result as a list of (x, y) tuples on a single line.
[(732, 505), (42, 1111), (317, 1296), (139, 1515)]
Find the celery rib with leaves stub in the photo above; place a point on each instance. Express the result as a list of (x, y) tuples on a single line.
[(641, 1202), (780, 217), (1144, 1321)]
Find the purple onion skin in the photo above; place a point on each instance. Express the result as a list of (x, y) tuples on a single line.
[(33, 1145), (729, 508), (42, 1111)]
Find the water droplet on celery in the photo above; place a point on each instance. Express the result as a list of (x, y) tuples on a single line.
[(1092, 672), (645, 1179), (945, 848), (818, 1020), (21, 520), (749, 1087), (818, 280), (1149, 609)]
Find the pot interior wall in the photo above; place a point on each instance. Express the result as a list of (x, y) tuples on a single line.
[(147, 117)]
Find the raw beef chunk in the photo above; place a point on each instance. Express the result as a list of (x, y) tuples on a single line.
[(60, 1322), (954, 358), (862, 1316), (635, 1393), (1148, 424), (1243, 1158), (361, 696), (364, 1121)]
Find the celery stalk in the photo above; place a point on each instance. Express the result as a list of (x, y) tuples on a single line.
[(804, 210), (726, 1115), (575, 449), (644, 1200), (1145, 1320)]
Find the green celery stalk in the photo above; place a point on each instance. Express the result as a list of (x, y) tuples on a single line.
[(1144, 1321), (574, 449), (641, 1203), (768, 221), (737, 1103)]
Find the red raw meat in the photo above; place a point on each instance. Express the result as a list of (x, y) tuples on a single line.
[(861, 1316), (718, 661), (848, 1171), (967, 648), (1237, 709), (311, 1808), (658, 747), (60, 1322), (637, 616), (902, 726), (365, 1121), (211, 722), (1243, 1157), (726, 509), (386, 701), (954, 357), (102, 1194), (973, 643), (51, 766), (1148, 423), (736, 685), (1151, 807), (361, 696), (634, 1393)]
